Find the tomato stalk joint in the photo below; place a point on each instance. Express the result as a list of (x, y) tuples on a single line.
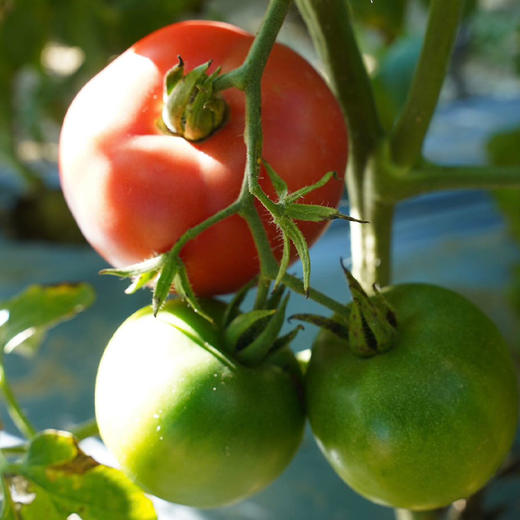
[(192, 108)]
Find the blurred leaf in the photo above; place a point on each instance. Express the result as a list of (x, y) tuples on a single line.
[(59, 480), (24, 28), (29, 315)]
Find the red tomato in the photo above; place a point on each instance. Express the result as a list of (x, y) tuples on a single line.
[(134, 190)]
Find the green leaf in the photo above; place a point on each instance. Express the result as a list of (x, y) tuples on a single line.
[(25, 318), (62, 480)]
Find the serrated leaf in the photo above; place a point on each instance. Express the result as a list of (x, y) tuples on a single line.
[(243, 324), (25, 318), (63, 480)]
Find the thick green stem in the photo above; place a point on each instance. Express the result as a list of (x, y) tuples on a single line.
[(412, 125), (371, 246), (252, 68), (330, 28), (333, 36), (16, 413), (430, 177)]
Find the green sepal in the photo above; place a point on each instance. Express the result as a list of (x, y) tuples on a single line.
[(256, 351), (280, 186), (140, 281), (152, 265), (284, 341), (298, 194), (284, 261), (244, 327), (182, 286), (334, 325), (372, 323), (233, 307), (164, 283), (192, 108), (297, 238)]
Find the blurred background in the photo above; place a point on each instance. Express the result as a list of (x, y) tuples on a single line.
[(467, 240)]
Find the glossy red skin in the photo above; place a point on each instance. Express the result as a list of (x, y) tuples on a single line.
[(135, 190)]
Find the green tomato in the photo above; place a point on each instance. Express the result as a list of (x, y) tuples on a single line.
[(427, 422), (184, 420)]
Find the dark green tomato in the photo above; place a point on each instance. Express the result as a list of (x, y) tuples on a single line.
[(185, 421), (427, 422)]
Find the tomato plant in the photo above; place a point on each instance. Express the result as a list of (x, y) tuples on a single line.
[(201, 159), (427, 422), (134, 188), (184, 419)]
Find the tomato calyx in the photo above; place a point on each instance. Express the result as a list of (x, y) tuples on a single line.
[(287, 209), (252, 338), (192, 108), (369, 326)]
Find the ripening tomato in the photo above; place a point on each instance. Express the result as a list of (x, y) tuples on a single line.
[(134, 188), (185, 420), (427, 422)]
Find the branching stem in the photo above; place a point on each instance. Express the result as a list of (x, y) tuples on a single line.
[(414, 121)]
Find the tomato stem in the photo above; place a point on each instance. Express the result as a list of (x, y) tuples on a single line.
[(251, 70), (333, 35), (411, 127), (428, 177)]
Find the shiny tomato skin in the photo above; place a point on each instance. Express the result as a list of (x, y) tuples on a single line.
[(187, 423), (426, 423), (134, 190)]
